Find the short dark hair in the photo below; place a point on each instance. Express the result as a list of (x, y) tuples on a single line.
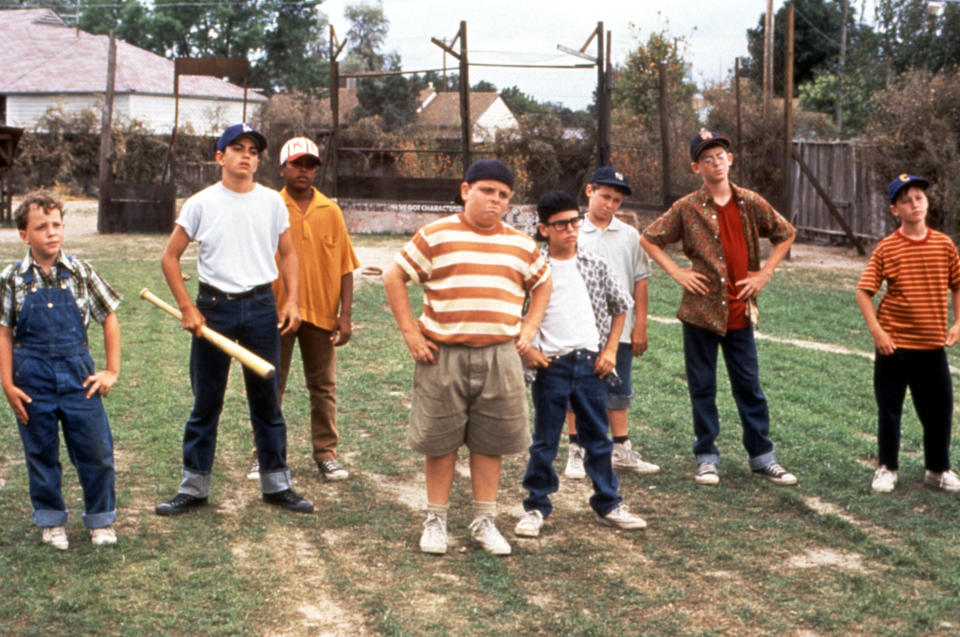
[(43, 199)]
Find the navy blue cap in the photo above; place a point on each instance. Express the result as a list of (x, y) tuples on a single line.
[(610, 176), (902, 182), (489, 169), (553, 202), (705, 139), (239, 130)]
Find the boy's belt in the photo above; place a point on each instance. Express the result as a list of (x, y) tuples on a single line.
[(230, 296)]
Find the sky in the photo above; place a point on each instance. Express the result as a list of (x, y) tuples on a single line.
[(528, 32)]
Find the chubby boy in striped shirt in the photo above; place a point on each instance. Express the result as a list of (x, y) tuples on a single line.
[(468, 387), (921, 269)]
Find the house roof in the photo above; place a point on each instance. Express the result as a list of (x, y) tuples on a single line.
[(41, 54), (444, 109)]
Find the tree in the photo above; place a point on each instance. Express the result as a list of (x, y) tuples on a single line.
[(636, 83), (914, 38), (367, 33), (283, 39), (816, 43)]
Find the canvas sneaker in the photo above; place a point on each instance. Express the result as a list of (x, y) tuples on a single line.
[(776, 474), (254, 472), (290, 500), (332, 470), (103, 536), (621, 518), (530, 524), (434, 538), (485, 533), (55, 536), (575, 470), (707, 473), (624, 457), (884, 480), (945, 480)]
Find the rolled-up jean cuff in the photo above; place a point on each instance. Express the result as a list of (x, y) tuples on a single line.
[(275, 481), (619, 401), (763, 460), (49, 517), (195, 484), (99, 520), (708, 457)]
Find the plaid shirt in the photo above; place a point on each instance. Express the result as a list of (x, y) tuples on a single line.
[(693, 221), (94, 296)]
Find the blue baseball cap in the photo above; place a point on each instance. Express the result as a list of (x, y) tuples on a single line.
[(902, 181), (610, 176), (704, 140), (239, 130)]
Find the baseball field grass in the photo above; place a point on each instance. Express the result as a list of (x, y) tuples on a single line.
[(827, 557)]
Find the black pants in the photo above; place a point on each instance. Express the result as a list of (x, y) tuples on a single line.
[(927, 375)]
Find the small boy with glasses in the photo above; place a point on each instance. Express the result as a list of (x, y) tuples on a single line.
[(573, 352)]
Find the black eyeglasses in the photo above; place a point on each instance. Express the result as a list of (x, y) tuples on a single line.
[(563, 224)]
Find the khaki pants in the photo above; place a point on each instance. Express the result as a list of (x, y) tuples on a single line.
[(319, 370)]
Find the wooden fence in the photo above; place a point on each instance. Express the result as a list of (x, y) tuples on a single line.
[(853, 187)]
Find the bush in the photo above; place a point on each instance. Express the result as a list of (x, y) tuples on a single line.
[(914, 128), (63, 153)]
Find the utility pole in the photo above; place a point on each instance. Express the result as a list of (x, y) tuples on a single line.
[(331, 164), (841, 69), (665, 136), (788, 117), (106, 131), (768, 57)]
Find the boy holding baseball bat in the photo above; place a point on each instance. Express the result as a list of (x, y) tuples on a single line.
[(46, 302), (239, 226)]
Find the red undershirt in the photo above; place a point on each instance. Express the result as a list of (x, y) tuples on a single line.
[(736, 255)]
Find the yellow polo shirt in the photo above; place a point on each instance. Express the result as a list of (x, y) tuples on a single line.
[(325, 255)]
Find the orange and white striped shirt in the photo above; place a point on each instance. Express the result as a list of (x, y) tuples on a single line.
[(474, 282), (920, 275)]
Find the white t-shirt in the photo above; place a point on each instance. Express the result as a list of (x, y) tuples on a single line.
[(237, 234), (568, 323)]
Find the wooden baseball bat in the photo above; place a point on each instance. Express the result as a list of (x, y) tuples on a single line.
[(242, 354)]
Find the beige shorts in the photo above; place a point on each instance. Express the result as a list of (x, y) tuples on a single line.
[(471, 395)]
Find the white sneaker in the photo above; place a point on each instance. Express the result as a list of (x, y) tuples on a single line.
[(624, 457), (254, 472), (620, 517), (434, 538), (484, 532), (707, 474), (884, 480), (575, 470), (102, 536), (530, 524), (945, 480), (55, 536), (332, 470), (776, 474)]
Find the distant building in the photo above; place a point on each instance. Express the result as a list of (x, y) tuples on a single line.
[(44, 63), (440, 112)]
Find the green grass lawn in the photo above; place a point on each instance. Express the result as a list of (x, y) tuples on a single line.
[(744, 558)]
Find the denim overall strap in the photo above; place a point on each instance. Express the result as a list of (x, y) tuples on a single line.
[(49, 322)]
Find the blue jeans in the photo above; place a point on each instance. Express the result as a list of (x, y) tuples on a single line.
[(570, 378), (252, 322), (740, 355)]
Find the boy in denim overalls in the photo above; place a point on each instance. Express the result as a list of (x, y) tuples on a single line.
[(48, 376)]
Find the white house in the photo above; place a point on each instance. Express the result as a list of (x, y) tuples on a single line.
[(489, 114), (45, 63)]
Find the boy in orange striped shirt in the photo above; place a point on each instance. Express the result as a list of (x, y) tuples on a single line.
[(468, 385), (921, 269)]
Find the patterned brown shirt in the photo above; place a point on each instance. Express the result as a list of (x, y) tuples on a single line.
[(692, 220)]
